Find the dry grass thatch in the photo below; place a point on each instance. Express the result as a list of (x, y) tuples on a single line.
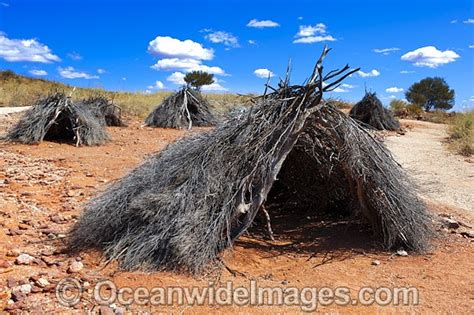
[(184, 109), (371, 112), (185, 205), (56, 117), (106, 112)]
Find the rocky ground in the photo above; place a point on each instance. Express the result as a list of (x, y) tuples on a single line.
[(43, 187)]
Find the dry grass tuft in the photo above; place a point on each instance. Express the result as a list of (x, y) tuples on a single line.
[(461, 134)]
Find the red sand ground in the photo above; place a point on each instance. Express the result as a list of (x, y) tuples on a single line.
[(42, 188)]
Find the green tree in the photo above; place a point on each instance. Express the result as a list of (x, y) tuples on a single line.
[(197, 79), (431, 93)]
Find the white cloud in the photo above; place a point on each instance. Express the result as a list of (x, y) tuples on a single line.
[(214, 87), (343, 88), (101, 71), (300, 18), (309, 30), (186, 65), (429, 56), (252, 42), (308, 34), (392, 97), (406, 71), (262, 23), (471, 46), (157, 86), (386, 51), (221, 37), (372, 73), (71, 73), (25, 50), (468, 21), (38, 72), (453, 21), (176, 78), (4, 4), (263, 73), (393, 89), (124, 79), (74, 56), (172, 47), (314, 39)]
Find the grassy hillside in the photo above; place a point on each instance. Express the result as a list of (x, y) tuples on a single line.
[(17, 90)]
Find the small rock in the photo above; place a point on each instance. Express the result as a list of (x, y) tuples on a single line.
[(42, 282), (375, 262), (24, 259), (24, 288), (469, 234), (120, 311), (284, 282), (56, 218), (23, 281), (71, 193), (49, 260), (5, 295), (11, 282), (35, 289), (18, 296), (23, 227), (105, 310), (5, 264), (75, 266), (402, 253), (13, 252), (450, 223)]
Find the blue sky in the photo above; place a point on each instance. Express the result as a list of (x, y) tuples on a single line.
[(148, 45)]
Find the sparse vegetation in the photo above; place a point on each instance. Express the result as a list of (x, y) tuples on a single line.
[(402, 109), (17, 90), (399, 108), (462, 134)]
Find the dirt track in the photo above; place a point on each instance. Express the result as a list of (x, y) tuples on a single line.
[(11, 110), (442, 177), (44, 186)]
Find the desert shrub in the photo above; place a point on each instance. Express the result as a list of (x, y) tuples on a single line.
[(340, 104), (438, 117), (414, 111), (6, 74), (399, 108), (461, 132)]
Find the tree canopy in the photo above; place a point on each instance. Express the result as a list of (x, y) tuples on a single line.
[(431, 93), (197, 79)]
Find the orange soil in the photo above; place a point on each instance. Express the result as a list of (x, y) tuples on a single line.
[(43, 187)]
